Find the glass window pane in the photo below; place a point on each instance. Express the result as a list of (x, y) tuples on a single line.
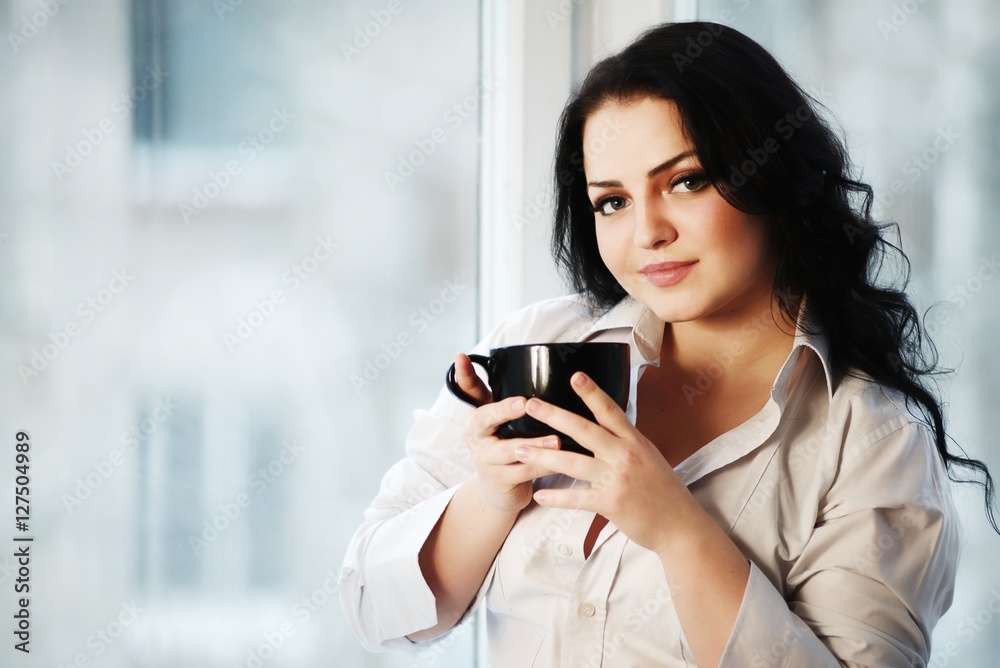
[(238, 249)]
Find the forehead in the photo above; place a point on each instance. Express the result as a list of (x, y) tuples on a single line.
[(635, 132)]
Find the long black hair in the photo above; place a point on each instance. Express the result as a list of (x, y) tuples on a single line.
[(766, 150)]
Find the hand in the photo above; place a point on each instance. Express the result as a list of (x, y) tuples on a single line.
[(631, 483), (504, 481)]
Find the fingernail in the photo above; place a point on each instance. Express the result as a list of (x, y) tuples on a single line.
[(579, 379), (551, 442), (521, 451), (517, 406), (532, 406)]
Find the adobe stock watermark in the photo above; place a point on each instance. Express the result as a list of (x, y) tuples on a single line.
[(706, 377), (34, 23), (801, 457), (784, 129), (453, 118), (533, 210), (272, 641), (899, 16), (223, 7), (966, 631), (427, 489), (88, 310), (597, 144), (120, 109), (776, 654), (757, 156), (562, 13), (366, 33), (102, 470), (248, 150), (8, 569), (917, 165), (966, 291), (103, 638), (550, 536), (301, 612), (433, 653), (419, 321), (697, 44), (230, 511), (641, 615), (891, 539), (294, 277), (636, 619), (448, 471)]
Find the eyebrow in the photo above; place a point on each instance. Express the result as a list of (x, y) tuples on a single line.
[(662, 167)]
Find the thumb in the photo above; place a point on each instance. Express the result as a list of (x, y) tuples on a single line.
[(471, 384)]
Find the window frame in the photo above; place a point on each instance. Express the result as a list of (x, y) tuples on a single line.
[(517, 141)]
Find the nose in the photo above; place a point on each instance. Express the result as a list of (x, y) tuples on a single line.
[(653, 228)]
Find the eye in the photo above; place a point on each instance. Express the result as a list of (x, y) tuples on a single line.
[(690, 182), (608, 205)]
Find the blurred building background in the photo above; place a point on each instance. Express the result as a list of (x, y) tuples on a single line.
[(241, 241), (206, 436)]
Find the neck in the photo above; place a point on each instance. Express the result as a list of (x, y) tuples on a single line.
[(754, 340)]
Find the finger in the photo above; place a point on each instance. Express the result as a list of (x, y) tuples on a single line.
[(500, 451), (608, 413), (572, 498), (572, 464), (469, 381), (487, 418), (515, 474), (590, 435)]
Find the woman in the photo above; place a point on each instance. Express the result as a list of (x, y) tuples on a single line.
[(776, 492)]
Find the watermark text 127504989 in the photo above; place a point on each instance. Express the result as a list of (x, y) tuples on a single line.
[(22, 544)]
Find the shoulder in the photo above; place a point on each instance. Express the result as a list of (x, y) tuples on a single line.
[(862, 433), (885, 456), (872, 414)]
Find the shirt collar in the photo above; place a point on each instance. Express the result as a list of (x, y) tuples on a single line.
[(819, 344), (647, 334), (647, 329)]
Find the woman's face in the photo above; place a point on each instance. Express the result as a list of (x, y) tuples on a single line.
[(663, 231)]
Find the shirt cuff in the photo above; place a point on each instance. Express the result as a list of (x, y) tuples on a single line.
[(768, 633), (394, 591)]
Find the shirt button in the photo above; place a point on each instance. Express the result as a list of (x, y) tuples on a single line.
[(565, 550), (587, 610)]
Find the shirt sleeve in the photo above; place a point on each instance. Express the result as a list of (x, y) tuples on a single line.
[(382, 589), (874, 578)]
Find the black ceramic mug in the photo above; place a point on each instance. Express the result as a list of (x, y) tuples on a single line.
[(543, 370)]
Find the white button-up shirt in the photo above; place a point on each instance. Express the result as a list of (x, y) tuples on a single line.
[(834, 492)]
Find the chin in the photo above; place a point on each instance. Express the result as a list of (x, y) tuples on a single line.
[(672, 310)]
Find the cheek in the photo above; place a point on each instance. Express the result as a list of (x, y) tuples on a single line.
[(612, 250), (758, 240), (745, 239)]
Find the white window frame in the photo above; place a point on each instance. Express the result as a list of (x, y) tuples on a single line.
[(534, 50)]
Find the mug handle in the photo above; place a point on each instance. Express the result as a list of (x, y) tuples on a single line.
[(452, 384)]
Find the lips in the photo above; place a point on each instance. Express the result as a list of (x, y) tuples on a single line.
[(664, 274)]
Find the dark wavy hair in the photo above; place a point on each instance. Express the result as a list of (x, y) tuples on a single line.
[(767, 151)]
